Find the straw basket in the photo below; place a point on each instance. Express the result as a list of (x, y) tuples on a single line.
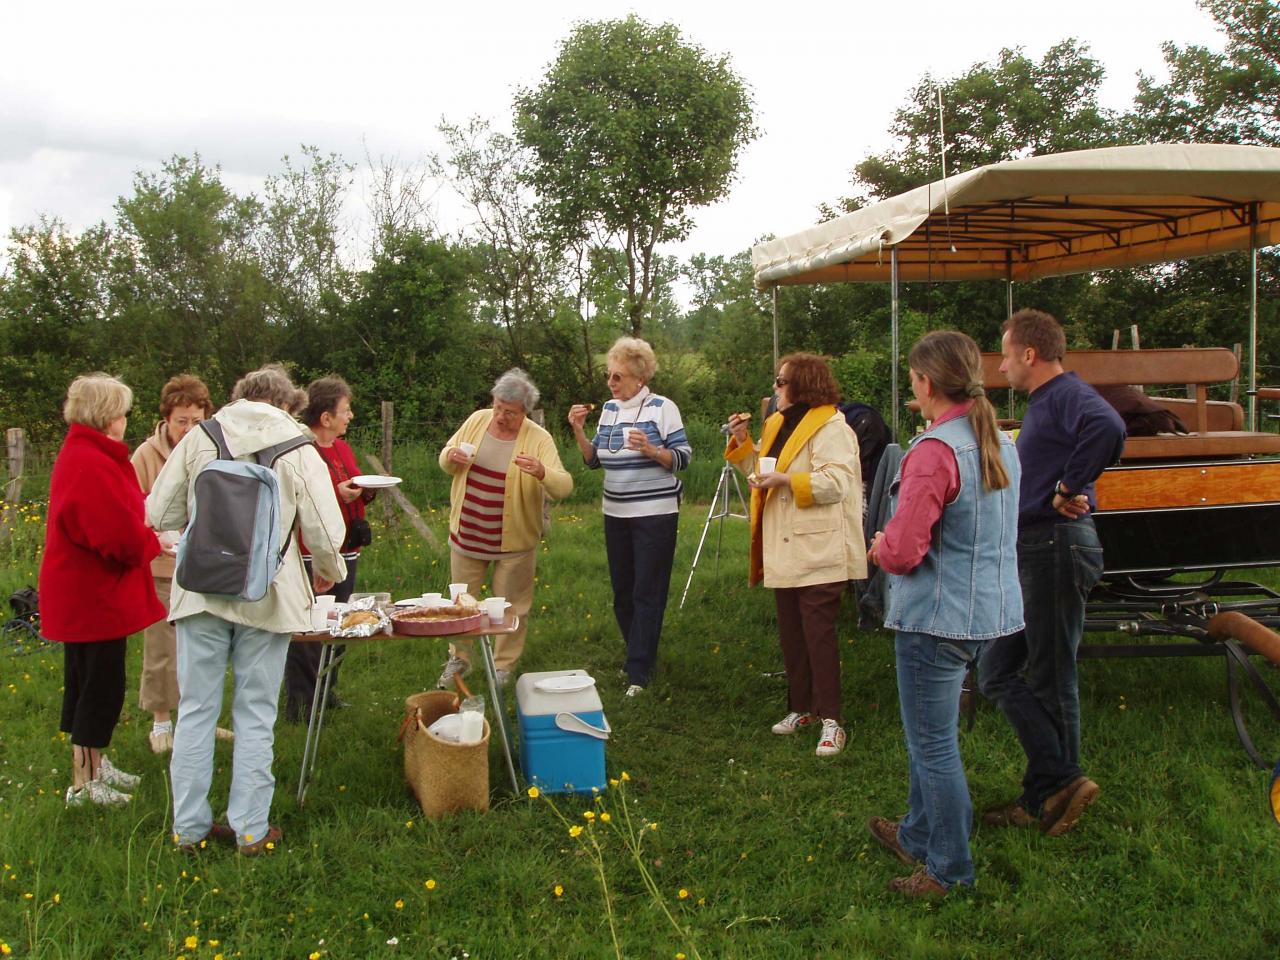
[(445, 777)]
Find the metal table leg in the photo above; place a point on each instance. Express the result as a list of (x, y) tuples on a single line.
[(329, 660), (499, 709)]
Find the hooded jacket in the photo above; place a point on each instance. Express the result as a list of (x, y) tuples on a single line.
[(306, 495), (148, 460)]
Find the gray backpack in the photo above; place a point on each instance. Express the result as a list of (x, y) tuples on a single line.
[(231, 546)]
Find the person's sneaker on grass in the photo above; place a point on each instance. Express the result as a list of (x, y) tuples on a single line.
[(634, 690), (98, 793), (456, 666), (161, 736), (112, 776), (792, 722), (831, 740)]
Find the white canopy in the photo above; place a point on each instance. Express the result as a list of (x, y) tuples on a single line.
[(1046, 216)]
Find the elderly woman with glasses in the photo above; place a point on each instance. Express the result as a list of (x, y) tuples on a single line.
[(502, 464), (640, 443)]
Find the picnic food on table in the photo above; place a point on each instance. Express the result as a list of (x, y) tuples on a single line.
[(357, 617), (465, 606)]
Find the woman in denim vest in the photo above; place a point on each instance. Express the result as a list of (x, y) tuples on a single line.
[(951, 553)]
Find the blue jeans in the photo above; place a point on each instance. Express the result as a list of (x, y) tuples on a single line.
[(935, 830), (1032, 674), (641, 553), (205, 645)]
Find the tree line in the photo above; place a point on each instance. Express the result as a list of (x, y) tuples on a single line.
[(632, 128)]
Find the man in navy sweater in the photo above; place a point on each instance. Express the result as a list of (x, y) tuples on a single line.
[(1069, 436)]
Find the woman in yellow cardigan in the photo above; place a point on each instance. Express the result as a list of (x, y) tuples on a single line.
[(806, 535), (502, 465)]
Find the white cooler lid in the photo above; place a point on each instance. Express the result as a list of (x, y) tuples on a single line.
[(533, 702)]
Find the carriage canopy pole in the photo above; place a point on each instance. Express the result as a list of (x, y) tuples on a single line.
[(1253, 317), (893, 336), (775, 328)]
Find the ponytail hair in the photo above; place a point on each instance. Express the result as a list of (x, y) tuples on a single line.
[(953, 364)]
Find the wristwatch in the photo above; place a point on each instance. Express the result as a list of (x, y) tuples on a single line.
[(1062, 491)]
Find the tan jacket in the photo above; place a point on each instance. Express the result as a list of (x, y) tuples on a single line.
[(522, 506), (306, 494), (148, 460), (812, 532)]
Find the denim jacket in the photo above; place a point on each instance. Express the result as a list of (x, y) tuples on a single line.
[(966, 587)]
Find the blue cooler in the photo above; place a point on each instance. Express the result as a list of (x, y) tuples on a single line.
[(562, 731)]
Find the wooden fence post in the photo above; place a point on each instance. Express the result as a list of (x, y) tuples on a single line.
[(388, 421), (16, 442)]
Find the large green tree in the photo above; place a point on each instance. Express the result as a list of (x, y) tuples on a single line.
[(632, 128)]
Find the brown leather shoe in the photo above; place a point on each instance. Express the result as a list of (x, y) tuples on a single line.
[(919, 885), (218, 833), (1011, 815), (1062, 810), (262, 844), (885, 832)]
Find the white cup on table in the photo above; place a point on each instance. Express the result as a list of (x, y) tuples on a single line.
[(766, 465), (456, 590), (495, 609), (320, 611)]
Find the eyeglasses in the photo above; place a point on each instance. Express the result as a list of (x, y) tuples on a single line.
[(779, 382), (614, 377)]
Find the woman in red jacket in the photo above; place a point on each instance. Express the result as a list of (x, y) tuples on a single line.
[(95, 582)]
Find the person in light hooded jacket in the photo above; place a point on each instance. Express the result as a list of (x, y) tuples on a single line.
[(252, 635)]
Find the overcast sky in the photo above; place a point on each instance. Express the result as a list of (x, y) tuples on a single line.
[(91, 92)]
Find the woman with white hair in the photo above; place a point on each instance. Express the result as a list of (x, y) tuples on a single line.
[(502, 464), (95, 578), (640, 443)]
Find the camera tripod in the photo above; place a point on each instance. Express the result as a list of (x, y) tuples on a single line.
[(719, 510)]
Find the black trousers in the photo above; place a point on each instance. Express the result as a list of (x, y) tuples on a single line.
[(303, 661), (92, 691), (641, 552)]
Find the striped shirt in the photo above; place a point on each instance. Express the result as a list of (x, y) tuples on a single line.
[(634, 485), (480, 523)]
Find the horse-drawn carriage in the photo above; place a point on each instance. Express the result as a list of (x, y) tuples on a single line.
[(1205, 503)]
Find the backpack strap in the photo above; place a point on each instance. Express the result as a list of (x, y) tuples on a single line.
[(268, 456), (213, 429)]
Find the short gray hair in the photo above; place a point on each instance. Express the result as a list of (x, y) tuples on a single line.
[(271, 384), (514, 386)]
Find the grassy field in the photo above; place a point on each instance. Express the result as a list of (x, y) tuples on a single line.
[(767, 842)]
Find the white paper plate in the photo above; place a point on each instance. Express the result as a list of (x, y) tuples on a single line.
[(373, 481), (412, 602), (571, 684)]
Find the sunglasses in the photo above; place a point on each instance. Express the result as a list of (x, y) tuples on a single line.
[(779, 382), (614, 377)]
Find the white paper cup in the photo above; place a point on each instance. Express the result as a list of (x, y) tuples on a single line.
[(456, 590), (496, 609), (430, 599), (766, 465), (468, 448)]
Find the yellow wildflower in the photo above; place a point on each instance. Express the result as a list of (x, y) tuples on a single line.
[(191, 943), (558, 890), (589, 814), (533, 793), (575, 831), (408, 824), (625, 775), (430, 884), (605, 818), (399, 904), (683, 894), (314, 955)]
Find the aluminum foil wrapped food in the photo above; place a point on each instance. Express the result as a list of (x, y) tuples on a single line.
[(361, 618)]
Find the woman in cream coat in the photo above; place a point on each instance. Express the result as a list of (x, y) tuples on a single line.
[(253, 636), (806, 534)]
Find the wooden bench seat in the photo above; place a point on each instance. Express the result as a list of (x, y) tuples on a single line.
[(1215, 425)]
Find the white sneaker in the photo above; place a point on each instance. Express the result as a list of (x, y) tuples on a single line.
[(634, 690), (455, 666), (109, 774), (832, 739), (97, 792), (792, 722)]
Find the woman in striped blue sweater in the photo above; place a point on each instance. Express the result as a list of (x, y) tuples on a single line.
[(640, 443)]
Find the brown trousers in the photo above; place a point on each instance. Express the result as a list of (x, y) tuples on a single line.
[(810, 648), (158, 689)]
